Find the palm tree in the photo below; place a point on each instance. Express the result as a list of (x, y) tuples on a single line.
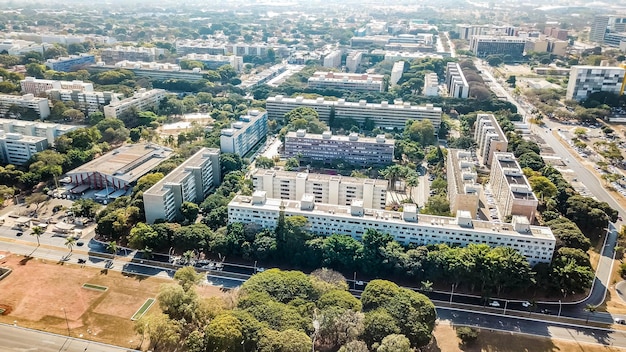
[(590, 308), (69, 242), (411, 182), (37, 232), (111, 247), (188, 256), (426, 286)]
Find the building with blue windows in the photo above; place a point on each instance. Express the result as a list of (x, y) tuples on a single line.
[(244, 134), (70, 63)]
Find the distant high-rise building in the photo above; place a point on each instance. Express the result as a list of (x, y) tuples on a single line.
[(396, 72), (585, 80), (333, 59), (455, 81), (483, 46), (598, 29), (244, 134)]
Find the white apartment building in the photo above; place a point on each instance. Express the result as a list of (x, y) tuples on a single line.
[(354, 60), (348, 81), (463, 190), (142, 100), (396, 72), (489, 138), (455, 81), (39, 87), (50, 131), (510, 188), (215, 61), (20, 47), (29, 101), (244, 134), (383, 115), (17, 149), (404, 55), (333, 59), (331, 189), (191, 181), (88, 102), (153, 70), (327, 148), (407, 227), (431, 85), (130, 53), (585, 80)]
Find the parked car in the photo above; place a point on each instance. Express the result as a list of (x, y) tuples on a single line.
[(494, 304), (620, 321), (526, 304)]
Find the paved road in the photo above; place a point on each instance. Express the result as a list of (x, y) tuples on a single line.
[(21, 339)]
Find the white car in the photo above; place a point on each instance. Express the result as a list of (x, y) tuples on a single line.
[(494, 304), (526, 304), (620, 321)]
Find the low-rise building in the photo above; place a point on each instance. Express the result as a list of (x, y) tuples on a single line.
[(431, 85), (153, 70), (70, 63), (130, 53), (50, 131), (489, 138), (407, 227), (17, 149), (142, 100), (88, 102), (191, 181), (39, 87), (455, 81), (214, 62), (383, 115), (483, 46), (510, 188), (121, 167), (8, 103), (331, 189), (244, 134), (348, 81), (463, 190), (328, 148)]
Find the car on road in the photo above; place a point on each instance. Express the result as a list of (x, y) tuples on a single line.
[(81, 261), (494, 304), (526, 304), (546, 311), (19, 234), (620, 321)]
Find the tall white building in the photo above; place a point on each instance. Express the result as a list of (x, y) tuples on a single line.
[(17, 149), (39, 105), (191, 181), (598, 29), (407, 227), (333, 59), (431, 85), (39, 87), (351, 149), (49, 131), (142, 100), (396, 72), (244, 134), (455, 81), (383, 115), (463, 189), (354, 60), (348, 81), (489, 137), (585, 80), (510, 188), (331, 189)]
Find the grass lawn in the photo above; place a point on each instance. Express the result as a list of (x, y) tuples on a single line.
[(95, 287), (144, 308)]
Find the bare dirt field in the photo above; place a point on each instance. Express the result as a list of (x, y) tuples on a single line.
[(446, 341), (38, 294)]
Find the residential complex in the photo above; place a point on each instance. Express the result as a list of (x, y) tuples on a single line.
[(130, 53), (431, 85), (407, 227), (351, 149), (88, 102), (383, 115), (585, 80), (404, 55), (331, 189), (244, 134), (191, 181), (483, 46), (396, 72), (489, 138), (463, 190), (214, 62), (510, 188), (21, 47), (348, 81), (70, 63), (455, 81), (332, 59), (17, 149), (119, 168), (153, 70), (468, 31), (142, 100), (354, 60), (49, 131), (39, 87), (28, 101)]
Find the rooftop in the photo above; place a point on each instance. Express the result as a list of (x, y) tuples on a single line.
[(397, 104), (320, 177), (358, 77), (353, 137)]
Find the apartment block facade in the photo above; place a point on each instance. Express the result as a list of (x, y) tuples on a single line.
[(510, 188), (39, 105), (585, 80), (347, 81), (214, 62), (327, 148), (396, 72), (489, 138), (142, 100), (354, 60), (70, 63), (331, 189), (244, 134), (130, 53), (408, 227), (431, 85), (191, 181), (50, 131), (88, 102), (17, 149), (463, 190), (383, 115), (455, 81), (483, 46), (39, 87)]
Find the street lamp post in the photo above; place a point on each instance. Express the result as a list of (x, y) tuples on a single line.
[(451, 294), (254, 272), (354, 282), (66, 321), (560, 307), (506, 303)]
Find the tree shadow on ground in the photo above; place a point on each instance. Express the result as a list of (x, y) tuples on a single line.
[(26, 260), (508, 342)]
